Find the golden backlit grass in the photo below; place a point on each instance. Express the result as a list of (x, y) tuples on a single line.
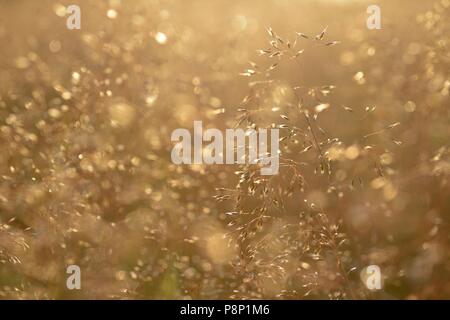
[(85, 170)]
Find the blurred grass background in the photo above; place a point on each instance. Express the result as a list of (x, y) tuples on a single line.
[(85, 170)]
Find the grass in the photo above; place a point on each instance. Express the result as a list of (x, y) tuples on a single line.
[(86, 176)]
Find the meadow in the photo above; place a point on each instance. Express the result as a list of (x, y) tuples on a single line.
[(86, 176)]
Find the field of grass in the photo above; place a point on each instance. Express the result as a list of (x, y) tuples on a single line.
[(86, 176)]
